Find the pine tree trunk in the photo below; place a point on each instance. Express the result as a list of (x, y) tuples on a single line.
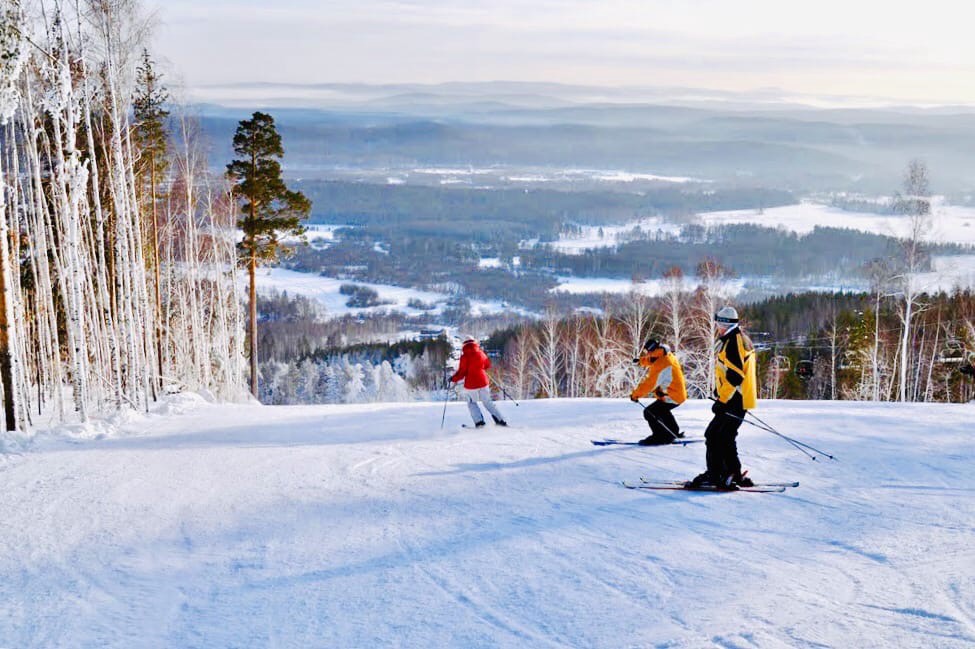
[(252, 274)]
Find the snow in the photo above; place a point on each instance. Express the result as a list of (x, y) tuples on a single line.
[(949, 272), (650, 287), (451, 171), (368, 525), (619, 176), (528, 179), (325, 290), (321, 232), (612, 235), (489, 262), (951, 223), (542, 175)]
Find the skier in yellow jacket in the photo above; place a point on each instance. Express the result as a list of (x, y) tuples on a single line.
[(665, 381), (735, 393)]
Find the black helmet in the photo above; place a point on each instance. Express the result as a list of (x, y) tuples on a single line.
[(651, 345)]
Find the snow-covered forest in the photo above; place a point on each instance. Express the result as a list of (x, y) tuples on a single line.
[(117, 245), (810, 346), (866, 347)]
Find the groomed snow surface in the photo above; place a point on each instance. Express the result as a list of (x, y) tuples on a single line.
[(370, 526)]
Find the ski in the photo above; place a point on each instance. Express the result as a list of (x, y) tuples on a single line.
[(484, 426), (711, 488), (619, 442), (670, 483)]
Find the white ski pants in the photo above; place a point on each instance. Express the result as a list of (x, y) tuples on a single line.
[(484, 395)]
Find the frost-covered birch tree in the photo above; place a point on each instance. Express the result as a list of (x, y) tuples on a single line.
[(699, 355), (13, 57), (915, 204), (76, 276), (548, 356), (672, 307)]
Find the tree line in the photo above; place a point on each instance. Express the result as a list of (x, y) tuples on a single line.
[(119, 250)]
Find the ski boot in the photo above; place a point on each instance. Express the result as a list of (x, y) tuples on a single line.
[(742, 479), (653, 440), (701, 480)]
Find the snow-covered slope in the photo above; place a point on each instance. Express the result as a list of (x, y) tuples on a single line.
[(369, 526)]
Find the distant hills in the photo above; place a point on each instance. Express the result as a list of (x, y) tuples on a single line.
[(764, 138)]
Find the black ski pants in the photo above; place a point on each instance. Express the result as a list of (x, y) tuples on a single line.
[(661, 421), (722, 449)]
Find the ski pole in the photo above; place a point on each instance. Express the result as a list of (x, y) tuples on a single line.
[(505, 393), (772, 430), (761, 425), (665, 427), (791, 441), (443, 417)]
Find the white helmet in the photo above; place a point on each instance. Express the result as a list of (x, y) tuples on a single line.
[(726, 315)]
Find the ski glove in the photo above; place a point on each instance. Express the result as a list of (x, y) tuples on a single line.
[(719, 408), (634, 399)]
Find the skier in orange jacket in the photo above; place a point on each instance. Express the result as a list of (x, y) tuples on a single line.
[(665, 381)]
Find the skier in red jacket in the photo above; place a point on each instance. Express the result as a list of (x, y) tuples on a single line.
[(473, 363)]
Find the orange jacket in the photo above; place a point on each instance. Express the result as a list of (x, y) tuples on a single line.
[(664, 379)]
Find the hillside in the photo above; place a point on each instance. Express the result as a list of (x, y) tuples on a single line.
[(369, 525)]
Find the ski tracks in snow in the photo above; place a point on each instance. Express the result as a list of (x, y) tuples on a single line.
[(367, 526)]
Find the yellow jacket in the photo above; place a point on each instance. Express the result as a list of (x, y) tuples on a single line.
[(734, 368), (664, 378)]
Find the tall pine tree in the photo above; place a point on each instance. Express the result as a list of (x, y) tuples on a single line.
[(270, 210)]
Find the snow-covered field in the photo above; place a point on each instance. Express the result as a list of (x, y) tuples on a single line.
[(651, 287), (322, 232), (949, 272), (535, 175), (325, 290), (591, 236), (369, 526), (950, 223)]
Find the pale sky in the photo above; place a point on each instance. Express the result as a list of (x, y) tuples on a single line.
[(921, 52)]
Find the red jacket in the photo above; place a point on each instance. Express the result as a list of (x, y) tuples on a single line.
[(473, 362)]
